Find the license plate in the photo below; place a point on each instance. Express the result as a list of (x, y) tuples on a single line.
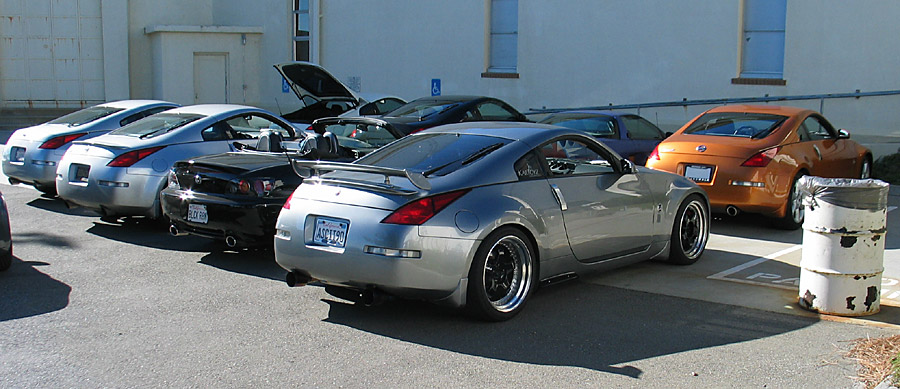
[(82, 172), (197, 213), (17, 154), (698, 173), (330, 232)]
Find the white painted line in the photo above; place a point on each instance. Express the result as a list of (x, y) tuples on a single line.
[(721, 275)]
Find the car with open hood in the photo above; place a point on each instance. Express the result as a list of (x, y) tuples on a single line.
[(235, 197), (478, 214), (121, 173), (32, 154)]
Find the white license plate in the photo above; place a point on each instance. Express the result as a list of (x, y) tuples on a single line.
[(698, 173), (197, 213), (330, 232)]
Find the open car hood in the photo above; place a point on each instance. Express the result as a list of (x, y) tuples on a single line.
[(309, 79)]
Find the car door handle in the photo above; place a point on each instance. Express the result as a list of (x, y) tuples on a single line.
[(819, 153), (559, 197)]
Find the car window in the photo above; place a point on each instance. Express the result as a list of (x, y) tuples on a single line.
[(371, 135), (567, 157), (434, 154), (422, 109), (817, 130), (387, 105), (218, 131), (529, 167), (492, 111), (156, 125), (737, 124), (249, 126), (640, 129), (140, 115), (601, 126), (85, 116)]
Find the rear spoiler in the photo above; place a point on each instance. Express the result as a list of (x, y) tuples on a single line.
[(310, 169)]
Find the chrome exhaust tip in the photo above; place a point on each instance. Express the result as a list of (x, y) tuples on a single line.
[(732, 211), (230, 241), (296, 278), (175, 231)]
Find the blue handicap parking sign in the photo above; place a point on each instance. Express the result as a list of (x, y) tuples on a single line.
[(285, 88), (435, 86)]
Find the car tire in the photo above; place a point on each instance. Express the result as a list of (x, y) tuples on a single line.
[(690, 231), (502, 276), (865, 168), (6, 259), (793, 213)]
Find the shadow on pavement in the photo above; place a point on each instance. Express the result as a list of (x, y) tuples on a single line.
[(577, 324), (54, 204), (752, 226), (28, 292), (253, 262), (42, 238), (150, 233)]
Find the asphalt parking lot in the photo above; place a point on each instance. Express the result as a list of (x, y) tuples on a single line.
[(89, 303)]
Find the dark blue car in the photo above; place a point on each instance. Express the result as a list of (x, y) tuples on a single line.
[(630, 135)]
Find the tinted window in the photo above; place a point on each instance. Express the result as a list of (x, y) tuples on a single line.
[(493, 111), (364, 135), (422, 109), (85, 116), (529, 166), (249, 127), (143, 114), (571, 157), (436, 154), (817, 130), (601, 126), (640, 129), (156, 125), (747, 125)]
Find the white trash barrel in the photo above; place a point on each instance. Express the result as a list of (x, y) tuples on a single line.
[(843, 245)]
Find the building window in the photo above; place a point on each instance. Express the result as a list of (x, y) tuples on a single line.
[(301, 30), (762, 54), (504, 38)]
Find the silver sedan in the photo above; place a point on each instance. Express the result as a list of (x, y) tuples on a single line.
[(478, 214), (121, 173), (32, 154)]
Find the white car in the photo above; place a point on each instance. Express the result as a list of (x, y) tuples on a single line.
[(121, 173), (32, 153)]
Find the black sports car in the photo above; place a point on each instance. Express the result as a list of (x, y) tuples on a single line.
[(237, 196), (427, 112)]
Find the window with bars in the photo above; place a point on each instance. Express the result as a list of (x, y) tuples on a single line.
[(504, 37), (301, 30), (762, 54)]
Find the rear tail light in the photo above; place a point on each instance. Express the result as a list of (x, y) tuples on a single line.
[(761, 159), (287, 204), (419, 211), (59, 141), (258, 187), (654, 156), (132, 157), (418, 129)]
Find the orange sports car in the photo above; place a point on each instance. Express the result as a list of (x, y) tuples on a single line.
[(748, 158)]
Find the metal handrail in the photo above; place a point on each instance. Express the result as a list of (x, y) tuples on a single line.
[(733, 100)]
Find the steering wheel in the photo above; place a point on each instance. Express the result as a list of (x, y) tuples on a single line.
[(746, 130)]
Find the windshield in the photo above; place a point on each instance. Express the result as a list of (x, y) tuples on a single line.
[(85, 116), (596, 125), (434, 154), (422, 109), (155, 125), (739, 124)]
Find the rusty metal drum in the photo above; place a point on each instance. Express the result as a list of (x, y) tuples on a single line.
[(843, 245)]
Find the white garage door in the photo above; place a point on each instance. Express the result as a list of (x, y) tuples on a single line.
[(51, 52)]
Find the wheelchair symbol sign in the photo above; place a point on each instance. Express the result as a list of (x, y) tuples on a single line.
[(435, 86)]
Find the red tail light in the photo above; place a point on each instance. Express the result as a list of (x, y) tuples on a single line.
[(287, 204), (59, 141), (654, 155), (419, 211), (417, 130), (761, 159), (131, 157)]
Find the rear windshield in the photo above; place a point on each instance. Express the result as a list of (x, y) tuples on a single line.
[(422, 109), (361, 135), (738, 124), (85, 116), (434, 154), (155, 125), (596, 125)]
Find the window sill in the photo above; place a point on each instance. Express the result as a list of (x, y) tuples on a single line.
[(499, 75), (758, 81)]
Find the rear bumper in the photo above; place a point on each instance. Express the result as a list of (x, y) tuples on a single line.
[(38, 166), (251, 220), (109, 191)]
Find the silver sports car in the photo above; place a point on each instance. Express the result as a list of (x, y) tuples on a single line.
[(32, 153), (478, 214), (121, 173)]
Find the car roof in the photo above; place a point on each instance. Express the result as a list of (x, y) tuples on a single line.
[(453, 98), (212, 109), (593, 112), (531, 133), (770, 109), (134, 103)]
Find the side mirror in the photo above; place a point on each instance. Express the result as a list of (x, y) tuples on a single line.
[(627, 166), (843, 134)]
